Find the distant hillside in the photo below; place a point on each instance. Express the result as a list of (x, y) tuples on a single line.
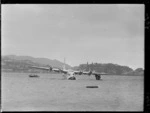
[(110, 68), (138, 71), (13, 62)]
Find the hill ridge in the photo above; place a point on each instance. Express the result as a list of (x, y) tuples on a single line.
[(40, 60)]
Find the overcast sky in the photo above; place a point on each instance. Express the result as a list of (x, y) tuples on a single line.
[(81, 33)]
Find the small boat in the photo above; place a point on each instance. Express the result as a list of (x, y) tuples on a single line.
[(91, 86), (33, 76)]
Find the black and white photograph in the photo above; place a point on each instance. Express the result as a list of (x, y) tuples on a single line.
[(72, 57)]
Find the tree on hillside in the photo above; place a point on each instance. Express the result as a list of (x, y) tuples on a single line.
[(139, 70), (107, 68)]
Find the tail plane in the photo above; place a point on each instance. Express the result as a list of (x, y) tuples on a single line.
[(64, 67)]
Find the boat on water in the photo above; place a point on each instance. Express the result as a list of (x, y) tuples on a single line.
[(33, 76)]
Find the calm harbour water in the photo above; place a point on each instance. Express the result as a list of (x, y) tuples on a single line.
[(50, 92)]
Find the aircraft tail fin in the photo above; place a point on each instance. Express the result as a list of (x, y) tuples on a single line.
[(64, 67)]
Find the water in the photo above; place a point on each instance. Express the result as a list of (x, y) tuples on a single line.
[(50, 92)]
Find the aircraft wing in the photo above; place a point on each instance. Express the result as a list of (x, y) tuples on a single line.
[(78, 72), (63, 71), (50, 69), (44, 68), (96, 73)]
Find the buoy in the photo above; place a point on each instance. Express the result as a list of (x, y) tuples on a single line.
[(91, 86)]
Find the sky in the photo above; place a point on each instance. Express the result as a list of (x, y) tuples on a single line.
[(81, 33)]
